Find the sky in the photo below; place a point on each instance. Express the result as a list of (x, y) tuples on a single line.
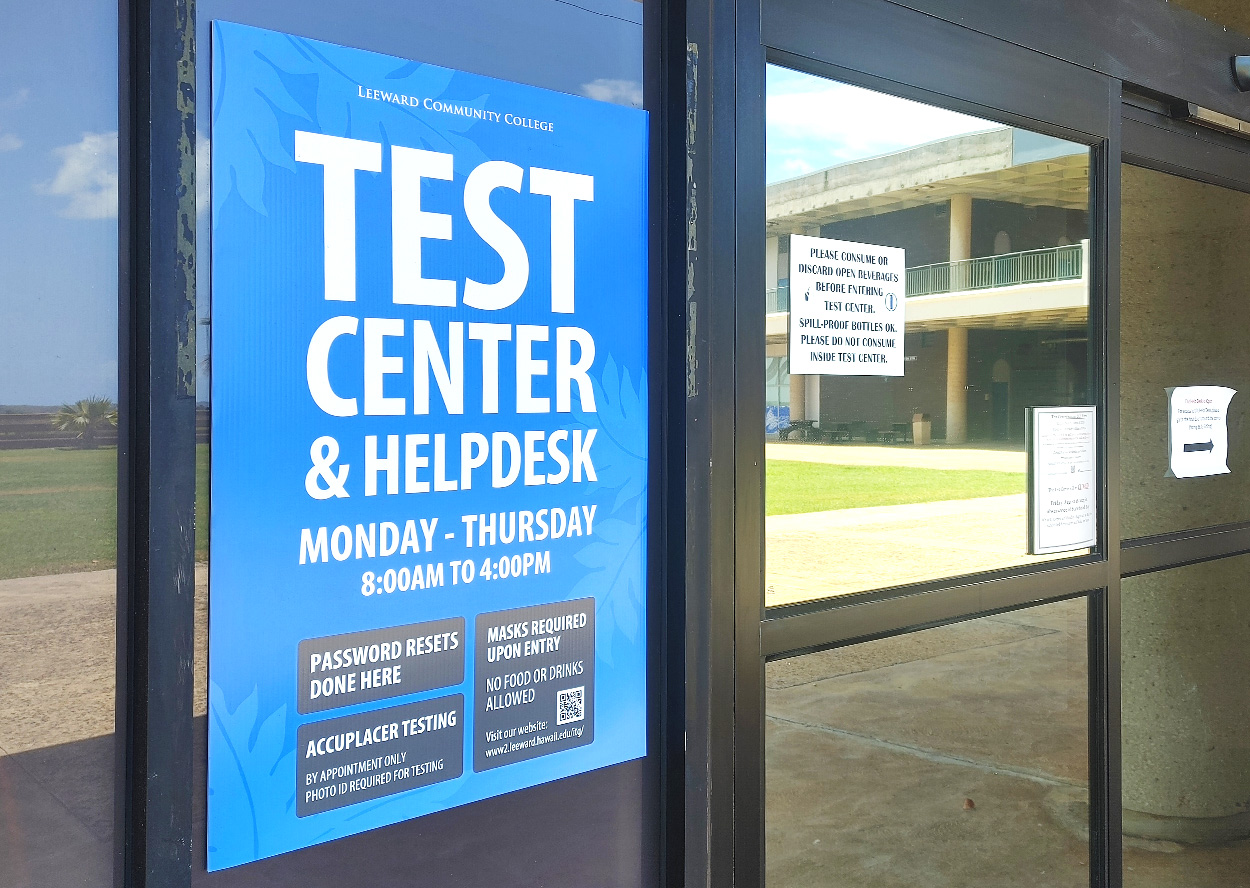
[(814, 123), (58, 202)]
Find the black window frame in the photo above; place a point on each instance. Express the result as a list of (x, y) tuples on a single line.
[(909, 48), (707, 69), (154, 824)]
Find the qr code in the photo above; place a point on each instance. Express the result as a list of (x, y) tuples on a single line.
[(570, 705)]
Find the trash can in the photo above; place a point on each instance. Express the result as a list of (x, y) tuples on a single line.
[(921, 429)]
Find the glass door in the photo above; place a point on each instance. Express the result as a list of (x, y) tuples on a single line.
[(943, 261), (933, 523)]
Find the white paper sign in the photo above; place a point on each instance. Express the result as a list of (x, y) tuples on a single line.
[(1198, 430), (846, 307), (1063, 475)]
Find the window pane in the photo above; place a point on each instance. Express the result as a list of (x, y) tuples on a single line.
[(877, 480), (592, 48), (954, 756), (58, 442), (1186, 726), (1182, 323)]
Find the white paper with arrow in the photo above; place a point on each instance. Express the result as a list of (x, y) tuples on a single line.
[(1198, 430)]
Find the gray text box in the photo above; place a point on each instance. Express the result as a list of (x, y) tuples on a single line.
[(342, 761), (376, 664), (534, 682)]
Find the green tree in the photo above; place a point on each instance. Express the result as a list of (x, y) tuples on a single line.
[(86, 419)]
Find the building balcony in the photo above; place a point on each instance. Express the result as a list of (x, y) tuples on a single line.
[(1008, 270), (1033, 289)]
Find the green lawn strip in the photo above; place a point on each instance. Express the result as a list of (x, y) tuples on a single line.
[(201, 502), (58, 510), (58, 507), (51, 468), (794, 487)]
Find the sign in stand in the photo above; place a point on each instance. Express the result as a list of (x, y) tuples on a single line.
[(429, 440), (1063, 475), (1198, 430), (846, 307)]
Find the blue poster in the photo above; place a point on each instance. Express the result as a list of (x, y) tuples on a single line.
[(429, 440)]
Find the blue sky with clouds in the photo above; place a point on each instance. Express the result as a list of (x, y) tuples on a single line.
[(58, 202), (815, 123)]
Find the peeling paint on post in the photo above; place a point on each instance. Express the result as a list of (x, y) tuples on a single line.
[(692, 220)]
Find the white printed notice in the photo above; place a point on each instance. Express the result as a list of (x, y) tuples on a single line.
[(1198, 430), (846, 307), (1063, 471)]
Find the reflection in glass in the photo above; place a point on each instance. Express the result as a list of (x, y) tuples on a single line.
[(1186, 726), (951, 756), (878, 481), (58, 442), (1183, 317)]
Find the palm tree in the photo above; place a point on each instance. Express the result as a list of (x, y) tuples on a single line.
[(86, 418)]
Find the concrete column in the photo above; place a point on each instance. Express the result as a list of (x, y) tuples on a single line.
[(1185, 642), (798, 397), (957, 337), (1186, 696), (960, 237), (961, 227), (770, 264), (957, 385), (813, 398)]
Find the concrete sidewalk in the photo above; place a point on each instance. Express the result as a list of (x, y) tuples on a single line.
[(819, 554), (872, 751)]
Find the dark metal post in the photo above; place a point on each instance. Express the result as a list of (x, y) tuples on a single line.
[(710, 328), (156, 497)]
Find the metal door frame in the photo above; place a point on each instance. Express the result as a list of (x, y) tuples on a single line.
[(1082, 76)]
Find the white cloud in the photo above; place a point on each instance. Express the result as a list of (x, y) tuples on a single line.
[(87, 177), (815, 123), (10, 142), (619, 92), (15, 99)]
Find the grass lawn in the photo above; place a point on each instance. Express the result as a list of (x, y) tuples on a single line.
[(58, 510), (794, 487)]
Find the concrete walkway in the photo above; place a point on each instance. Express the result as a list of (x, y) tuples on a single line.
[(819, 554), (873, 750)]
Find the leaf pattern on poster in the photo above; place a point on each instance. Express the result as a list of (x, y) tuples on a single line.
[(300, 94), (263, 772), (620, 450)]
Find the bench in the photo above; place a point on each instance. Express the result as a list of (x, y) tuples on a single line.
[(805, 428)]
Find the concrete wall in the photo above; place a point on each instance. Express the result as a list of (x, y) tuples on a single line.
[(1231, 14), (1030, 228), (1184, 319), (924, 232), (1186, 632), (1042, 366)]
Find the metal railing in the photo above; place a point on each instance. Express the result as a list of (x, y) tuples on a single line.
[(777, 299), (1008, 270)]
